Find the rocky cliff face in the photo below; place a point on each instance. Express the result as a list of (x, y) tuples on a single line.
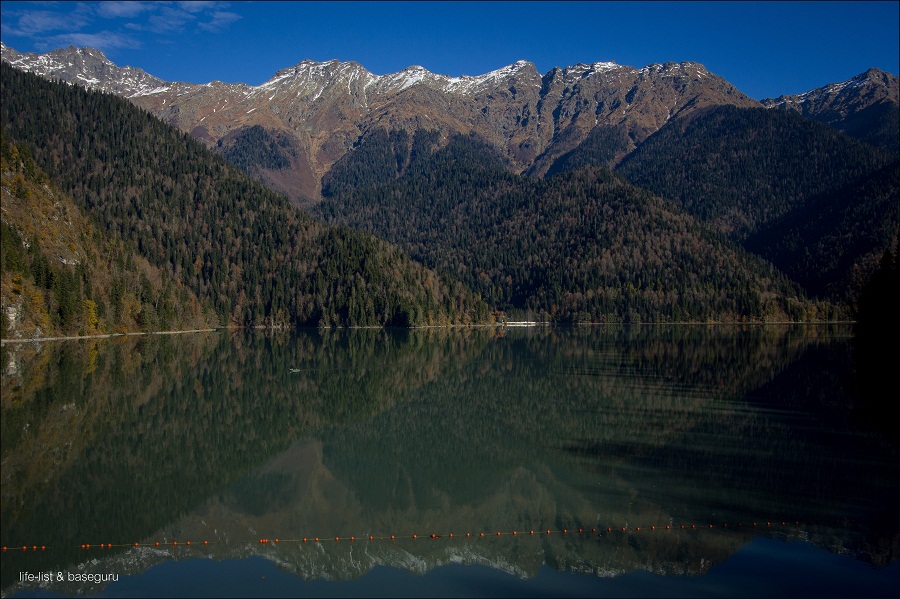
[(326, 107), (85, 66), (836, 100)]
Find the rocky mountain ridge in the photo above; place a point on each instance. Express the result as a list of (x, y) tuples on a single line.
[(325, 108), (322, 110), (877, 84)]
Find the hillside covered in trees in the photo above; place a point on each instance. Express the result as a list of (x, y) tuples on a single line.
[(62, 276), (580, 246), (819, 204), (730, 215), (740, 169), (240, 248)]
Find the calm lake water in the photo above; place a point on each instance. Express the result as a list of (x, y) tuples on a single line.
[(663, 461)]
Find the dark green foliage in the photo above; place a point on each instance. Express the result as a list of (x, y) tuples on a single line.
[(13, 255), (254, 147), (877, 125), (381, 157), (600, 148), (60, 299), (741, 169), (377, 158), (821, 242), (244, 250), (580, 246), (67, 290)]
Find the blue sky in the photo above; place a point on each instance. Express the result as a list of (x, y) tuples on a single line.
[(763, 48)]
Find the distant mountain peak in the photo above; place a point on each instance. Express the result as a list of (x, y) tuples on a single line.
[(88, 67), (872, 76)]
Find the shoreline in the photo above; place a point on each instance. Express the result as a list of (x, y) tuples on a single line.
[(102, 336), (514, 324)]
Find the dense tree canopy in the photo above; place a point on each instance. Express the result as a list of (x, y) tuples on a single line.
[(239, 247), (581, 246)]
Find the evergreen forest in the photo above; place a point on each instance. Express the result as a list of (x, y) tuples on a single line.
[(580, 246), (731, 215), (242, 250)]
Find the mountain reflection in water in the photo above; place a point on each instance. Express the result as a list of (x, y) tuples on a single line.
[(231, 438)]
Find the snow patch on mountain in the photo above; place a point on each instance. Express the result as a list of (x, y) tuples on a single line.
[(814, 94)]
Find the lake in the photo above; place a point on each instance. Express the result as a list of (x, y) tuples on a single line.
[(626, 461)]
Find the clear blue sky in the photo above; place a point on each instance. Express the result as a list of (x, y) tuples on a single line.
[(763, 48)]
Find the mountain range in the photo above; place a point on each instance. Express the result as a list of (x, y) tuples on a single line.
[(323, 109), (718, 206)]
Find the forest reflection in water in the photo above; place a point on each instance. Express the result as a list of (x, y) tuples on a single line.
[(232, 437)]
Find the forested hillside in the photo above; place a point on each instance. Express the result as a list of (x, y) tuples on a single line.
[(59, 275), (242, 249), (821, 205), (581, 246), (832, 242), (741, 169)]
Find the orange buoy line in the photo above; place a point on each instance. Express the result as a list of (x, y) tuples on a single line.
[(434, 536)]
